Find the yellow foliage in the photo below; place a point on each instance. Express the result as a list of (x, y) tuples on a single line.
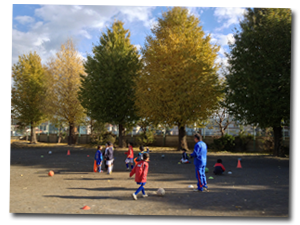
[(64, 81), (179, 82)]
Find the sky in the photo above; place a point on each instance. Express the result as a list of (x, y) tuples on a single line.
[(43, 28)]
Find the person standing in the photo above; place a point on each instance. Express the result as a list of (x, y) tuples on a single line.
[(200, 154), (130, 156), (99, 158), (109, 156)]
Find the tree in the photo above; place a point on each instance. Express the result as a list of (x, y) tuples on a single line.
[(179, 83), (28, 91), (221, 117), (64, 80), (258, 80), (107, 92)]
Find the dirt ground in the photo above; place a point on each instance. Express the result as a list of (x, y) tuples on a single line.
[(259, 189)]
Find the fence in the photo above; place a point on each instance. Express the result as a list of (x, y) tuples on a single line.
[(169, 141)]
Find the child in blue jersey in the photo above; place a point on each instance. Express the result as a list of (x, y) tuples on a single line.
[(99, 158), (199, 155)]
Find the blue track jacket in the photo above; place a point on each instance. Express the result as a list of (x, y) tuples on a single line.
[(98, 157), (199, 154)]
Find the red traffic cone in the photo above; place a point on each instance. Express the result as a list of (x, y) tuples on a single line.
[(239, 165), (86, 207), (68, 153)]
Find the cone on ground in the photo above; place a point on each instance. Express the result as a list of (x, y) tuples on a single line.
[(68, 153), (86, 207), (239, 165)]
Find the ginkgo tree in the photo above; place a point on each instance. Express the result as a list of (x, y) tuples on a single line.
[(63, 75), (29, 91), (179, 83)]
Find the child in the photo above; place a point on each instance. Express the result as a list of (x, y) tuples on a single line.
[(109, 156), (140, 155), (219, 168), (130, 155), (99, 158), (185, 158), (141, 170), (104, 153)]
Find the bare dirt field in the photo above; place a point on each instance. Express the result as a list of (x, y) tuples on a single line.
[(259, 189)]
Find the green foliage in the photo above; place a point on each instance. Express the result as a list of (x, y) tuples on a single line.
[(146, 137), (102, 138), (268, 140), (225, 143), (243, 139), (107, 92), (258, 80), (260, 68)]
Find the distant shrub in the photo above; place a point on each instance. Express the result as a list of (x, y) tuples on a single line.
[(145, 138), (225, 143), (243, 140)]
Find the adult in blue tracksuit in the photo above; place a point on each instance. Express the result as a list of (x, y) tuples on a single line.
[(199, 155)]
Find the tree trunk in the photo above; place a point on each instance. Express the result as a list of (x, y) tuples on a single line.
[(33, 135), (121, 134), (277, 140), (59, 135), (71, 134), (182, 137), (222, 132)]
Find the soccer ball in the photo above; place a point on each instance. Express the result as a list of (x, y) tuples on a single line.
[(51, 173), (160, 192)]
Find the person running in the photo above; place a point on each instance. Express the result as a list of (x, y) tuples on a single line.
[(141, 171)]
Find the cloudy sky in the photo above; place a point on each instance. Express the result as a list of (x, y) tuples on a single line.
[(43, 28)]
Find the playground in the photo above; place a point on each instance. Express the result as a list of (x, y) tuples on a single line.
[(259, 189)]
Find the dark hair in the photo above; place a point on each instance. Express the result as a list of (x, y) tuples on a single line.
[(198, 136), (142, 148), (219, 161), (130, 143), (99, 146), (146, 156), (109, 143), (183, 149)]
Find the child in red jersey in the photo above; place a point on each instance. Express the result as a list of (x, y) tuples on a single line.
[(130, 156), (219, 168), (141, 170)]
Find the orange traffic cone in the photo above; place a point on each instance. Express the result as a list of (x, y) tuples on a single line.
[(239, 165), (68, 153), (86, 207)]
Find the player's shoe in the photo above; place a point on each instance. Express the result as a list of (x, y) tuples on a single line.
[(127, 169), (145, 196), (134, 196)]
